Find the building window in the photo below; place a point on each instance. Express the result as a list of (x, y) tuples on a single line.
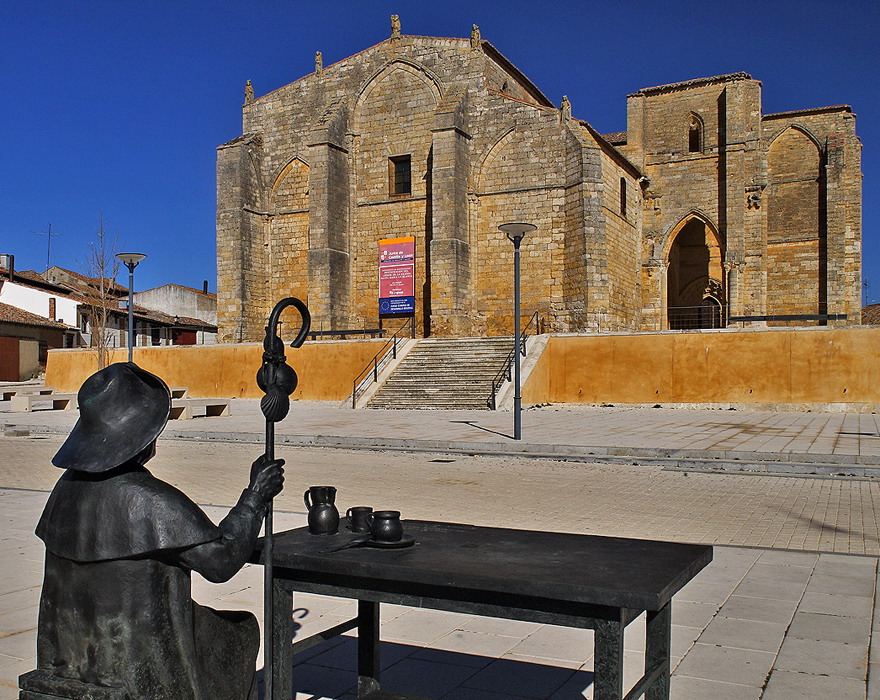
[(400, 174), (156, 335), (695, 135), (623, 196)]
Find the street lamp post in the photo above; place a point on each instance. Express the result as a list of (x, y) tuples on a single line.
[(515, 233), (130, 260)]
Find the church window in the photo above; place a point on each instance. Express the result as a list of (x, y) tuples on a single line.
[(623, 196), (695, 135), (400, 174)]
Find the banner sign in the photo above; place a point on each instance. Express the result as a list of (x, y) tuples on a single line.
[(397, 273)]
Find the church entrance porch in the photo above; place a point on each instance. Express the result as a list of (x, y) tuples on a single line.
[(695, 295)]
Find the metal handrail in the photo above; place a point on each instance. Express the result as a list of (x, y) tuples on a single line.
[(370, 373), (503, 374)]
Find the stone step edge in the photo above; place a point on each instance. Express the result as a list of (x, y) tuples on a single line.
[(850, 465), (512, 448)]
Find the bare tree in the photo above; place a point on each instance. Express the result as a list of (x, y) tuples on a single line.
[(101, 267)]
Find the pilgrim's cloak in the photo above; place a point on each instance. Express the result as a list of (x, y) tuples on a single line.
[(116, 607)]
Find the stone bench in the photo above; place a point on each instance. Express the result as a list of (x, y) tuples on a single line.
[(23, 403), (185, 409), (8, 392), (179, 392), (42, 685)]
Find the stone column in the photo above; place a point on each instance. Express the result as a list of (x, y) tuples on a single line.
[(449, 249), (843, 224), (241, 259), (328, 258)]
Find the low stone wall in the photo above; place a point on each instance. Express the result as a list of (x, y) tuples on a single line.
[(325, 369), (752, 366)]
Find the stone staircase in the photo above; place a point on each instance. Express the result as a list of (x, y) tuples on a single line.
[(445, 373)]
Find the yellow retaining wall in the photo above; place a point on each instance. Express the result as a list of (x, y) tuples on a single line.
[(325, 369), (751, 366)]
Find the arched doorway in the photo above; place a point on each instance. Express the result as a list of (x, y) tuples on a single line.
[(695, 295)]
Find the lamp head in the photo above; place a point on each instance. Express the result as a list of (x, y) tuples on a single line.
[(130, 260), (516, 231)]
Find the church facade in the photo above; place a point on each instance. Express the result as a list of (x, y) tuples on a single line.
[(703, 213)]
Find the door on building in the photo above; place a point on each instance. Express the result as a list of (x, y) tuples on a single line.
[(181, 337), (694, 277)]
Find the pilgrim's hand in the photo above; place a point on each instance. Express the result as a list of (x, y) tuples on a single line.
[(267, 477)]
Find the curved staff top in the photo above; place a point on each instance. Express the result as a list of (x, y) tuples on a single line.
[(276, 378)]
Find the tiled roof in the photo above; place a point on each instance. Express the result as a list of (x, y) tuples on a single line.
[(29, 278), (90, 281), (696, 82), (12, 314), (812, 110), (871, 315), (615, 138), (182, 286)]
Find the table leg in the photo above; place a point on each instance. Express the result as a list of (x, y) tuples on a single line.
[(368, 647), (658, 644), (282, 643), (608, 660)]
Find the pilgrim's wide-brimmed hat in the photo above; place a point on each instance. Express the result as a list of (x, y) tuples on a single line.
[(123, 408)]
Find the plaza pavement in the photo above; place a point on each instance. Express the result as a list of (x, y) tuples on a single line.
[(788, 608)]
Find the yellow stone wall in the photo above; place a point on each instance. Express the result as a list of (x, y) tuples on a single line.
[(753, 366), (326, 369)]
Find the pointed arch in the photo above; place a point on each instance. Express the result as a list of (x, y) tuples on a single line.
[(290, 186), (516, 153), (674, 230), (695, 283), (795, 204), (430, 81), (696, 133), (805, 130), (490, 155)]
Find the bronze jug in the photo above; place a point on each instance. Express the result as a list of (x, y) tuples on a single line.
[(323, 515)]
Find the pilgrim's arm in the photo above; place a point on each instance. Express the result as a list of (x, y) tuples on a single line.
[(220, 559)]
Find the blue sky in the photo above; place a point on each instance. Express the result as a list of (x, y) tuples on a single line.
[(117, 106)]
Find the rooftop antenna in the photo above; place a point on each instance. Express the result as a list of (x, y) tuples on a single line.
[(48, 234)]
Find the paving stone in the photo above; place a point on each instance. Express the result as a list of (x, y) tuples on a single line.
[(821, 657), (517, 678), (830, 628), (476, 643), (790, 592), (715, 663), (761, 609), (552, 642), (853, 585), (424, 678), (787, 685), (684, 688), (744, 634), (422, 626), (829, 604)]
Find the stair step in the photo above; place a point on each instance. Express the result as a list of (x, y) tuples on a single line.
[(445, 373)]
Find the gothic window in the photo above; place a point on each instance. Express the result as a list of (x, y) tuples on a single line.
[(400, 174), (695, 135)]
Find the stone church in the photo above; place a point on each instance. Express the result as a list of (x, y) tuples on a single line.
[(704, 213)]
